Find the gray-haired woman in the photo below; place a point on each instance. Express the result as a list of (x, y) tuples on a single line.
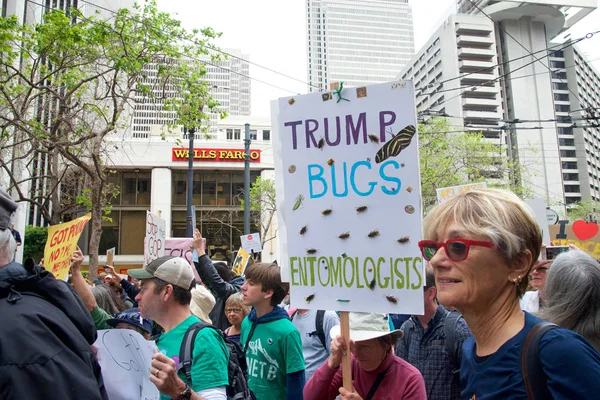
[(572, 295)]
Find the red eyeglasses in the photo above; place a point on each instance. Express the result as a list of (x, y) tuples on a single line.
[(456, 249)]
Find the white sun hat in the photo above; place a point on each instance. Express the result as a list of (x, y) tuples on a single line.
[(366, 326)]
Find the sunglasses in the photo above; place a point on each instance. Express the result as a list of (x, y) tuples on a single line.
[(456, 249), (540, 270)]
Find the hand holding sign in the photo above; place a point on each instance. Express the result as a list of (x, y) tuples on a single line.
[(199, 243), (76, 260)]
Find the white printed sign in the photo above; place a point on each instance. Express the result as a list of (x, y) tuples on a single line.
[(154, 243), (125, 357), (539, 211), (447, 193), (352, 199), (251, 243)]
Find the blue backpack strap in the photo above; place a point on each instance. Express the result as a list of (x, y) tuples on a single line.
[(533, 374), (450, 324), (187, 348)]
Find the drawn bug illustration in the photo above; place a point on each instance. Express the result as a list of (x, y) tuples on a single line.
[(311, 251), (303, 229), (344, 235), (361, 209), (343, 301), (372, 284), (373, 138), (396, 144), (391, 299), (409, 189), (368, 159), (309, 298), (403, 239), (298, 202), (330, 162), (326, 212), (373, 234), (321, 143)]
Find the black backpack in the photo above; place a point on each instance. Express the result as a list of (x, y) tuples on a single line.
[(450, 323), (237, 370), (319, 331)]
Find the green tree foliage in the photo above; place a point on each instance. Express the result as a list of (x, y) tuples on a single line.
[(35, 242), (263, 207), (587, 210), (69, 82), (450, 158)]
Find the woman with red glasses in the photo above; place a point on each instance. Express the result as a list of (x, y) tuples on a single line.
[(481, 246)]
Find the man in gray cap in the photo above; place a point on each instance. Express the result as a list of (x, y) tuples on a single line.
[(46, 332), (165, 297)]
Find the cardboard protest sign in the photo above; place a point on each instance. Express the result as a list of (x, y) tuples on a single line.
[(584, 235), (154, 243), (539, 211), (110, 255), (125, 357), (251, 243), (353, 207), (180, 247), (445, 194), (241, 262), (61, 244)]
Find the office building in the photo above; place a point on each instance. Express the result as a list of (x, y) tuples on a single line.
[(358, 42)]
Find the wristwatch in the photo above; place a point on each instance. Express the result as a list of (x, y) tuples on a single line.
[(186, 394)]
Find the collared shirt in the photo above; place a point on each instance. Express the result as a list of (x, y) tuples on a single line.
[(427, 352)]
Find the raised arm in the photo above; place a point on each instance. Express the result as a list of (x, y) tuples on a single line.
[(79, 284)]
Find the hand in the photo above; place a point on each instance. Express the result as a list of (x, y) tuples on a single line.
[(76, 260), (346, 395), (338, 350), (110, 270), (164, 376), (199, 243)]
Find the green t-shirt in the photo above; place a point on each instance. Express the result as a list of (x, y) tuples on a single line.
[(99, 316), (210, 356), (275, 350)]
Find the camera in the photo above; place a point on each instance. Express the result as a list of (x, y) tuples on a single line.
[(551, 252)]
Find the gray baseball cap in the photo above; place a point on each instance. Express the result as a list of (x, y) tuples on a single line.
[(7, 208), (174, 270)]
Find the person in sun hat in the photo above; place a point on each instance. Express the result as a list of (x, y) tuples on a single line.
[(377, 373), (165, 297), (132, 319), (202, 303)]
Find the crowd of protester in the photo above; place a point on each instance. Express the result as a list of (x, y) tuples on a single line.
[(482, 335)]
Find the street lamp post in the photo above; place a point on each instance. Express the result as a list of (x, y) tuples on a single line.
[(190, 183)]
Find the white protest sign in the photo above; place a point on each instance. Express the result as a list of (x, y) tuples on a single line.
[(445, 194), (539, 211), (251, 243), (279, 193), (353, 206), (125, 357), (154, 243)]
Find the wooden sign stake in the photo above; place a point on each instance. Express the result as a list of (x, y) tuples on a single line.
[(346, 360)]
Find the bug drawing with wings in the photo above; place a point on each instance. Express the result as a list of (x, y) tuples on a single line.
[(398, 143)]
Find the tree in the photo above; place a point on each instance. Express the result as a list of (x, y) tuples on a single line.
[(451, 158), (68, 83), (35, 242), (588, 210), (263, 208)]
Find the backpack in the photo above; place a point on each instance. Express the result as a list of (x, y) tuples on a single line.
[(533, 375), (237, 370), (450, 324), (319, 331)]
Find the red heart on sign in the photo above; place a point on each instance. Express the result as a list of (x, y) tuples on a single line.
[(584, 230)]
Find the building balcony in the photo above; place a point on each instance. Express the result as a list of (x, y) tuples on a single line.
[(469, 53), (485, 67), (468, 29), (474, 41), (476, 104), (478, 79), (474, 116), (487, 92)]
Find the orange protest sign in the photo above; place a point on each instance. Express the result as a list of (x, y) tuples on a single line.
[(584, 235), (60, 245), (240, 263)]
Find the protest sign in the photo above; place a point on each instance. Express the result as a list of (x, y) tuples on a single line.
[(180, 247), (353, 209), (61, 244), (125, 357), (445, 194), (241, 262), (154, 243), (110, 255), (539, 211), (251, 243), (584, 235)]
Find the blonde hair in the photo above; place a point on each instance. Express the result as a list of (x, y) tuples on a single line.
[(237, 300), (498, 215)]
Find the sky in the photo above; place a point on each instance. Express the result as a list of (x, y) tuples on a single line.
[(272, 34)]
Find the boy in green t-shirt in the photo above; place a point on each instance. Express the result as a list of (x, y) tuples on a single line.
[(273, 346), (165, 297)]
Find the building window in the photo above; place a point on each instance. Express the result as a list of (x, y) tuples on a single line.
[(237, 134), (559, 86), (566, 142), (559, 75), (135, 189), (573, 200), (266, 134), (562, 108), (567, 153), (561, 97), (179, 193), (570, 177), (557, 64), (565, 131), (557, 53), (572, 189), (229, 134), (253, 135)]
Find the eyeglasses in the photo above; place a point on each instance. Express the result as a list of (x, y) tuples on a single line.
[(234, 310), (456, 249), (540, 270)]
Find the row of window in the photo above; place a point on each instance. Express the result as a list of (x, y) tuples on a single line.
[(236, 134)]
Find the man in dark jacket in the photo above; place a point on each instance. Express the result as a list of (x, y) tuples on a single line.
[(215, 283), (46, 333)]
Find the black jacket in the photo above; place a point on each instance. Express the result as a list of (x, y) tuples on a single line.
[(45, 339), (219, 288)]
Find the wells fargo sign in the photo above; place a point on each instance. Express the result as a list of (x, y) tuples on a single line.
[(225, 155)]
